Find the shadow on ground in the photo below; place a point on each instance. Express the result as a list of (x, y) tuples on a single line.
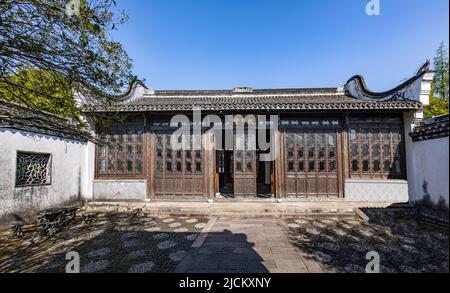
[(119, 243), (116, 242), (404, 242), (223, 252)]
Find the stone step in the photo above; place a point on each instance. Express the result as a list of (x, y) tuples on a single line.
[(224, 210)]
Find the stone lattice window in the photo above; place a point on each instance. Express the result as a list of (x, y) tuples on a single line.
[(33, 169)]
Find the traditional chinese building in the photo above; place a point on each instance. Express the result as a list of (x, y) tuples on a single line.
[(330, 143)]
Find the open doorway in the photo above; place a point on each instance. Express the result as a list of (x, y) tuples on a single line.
[(242, 174), (264, 178), (224, 173)]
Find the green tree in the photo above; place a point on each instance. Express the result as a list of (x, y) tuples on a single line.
[(440, 87), (41, 42), (437, 107), (441, 67), (58, 98)]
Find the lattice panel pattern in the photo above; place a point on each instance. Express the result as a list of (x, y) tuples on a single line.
[(32, 169), (376, 149), (311, 163), (122, 155), (179, 172)]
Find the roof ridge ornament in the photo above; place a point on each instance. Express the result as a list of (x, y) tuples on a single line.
[(242, 90), (136, 89), (409, 90)]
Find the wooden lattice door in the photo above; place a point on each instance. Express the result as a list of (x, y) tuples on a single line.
[(311, 159), (245, 165), (179, 172)]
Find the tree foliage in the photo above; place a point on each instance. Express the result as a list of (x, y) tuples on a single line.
[(58, 97), (441, 68), (46, 53), (437, 107), (440, 86)]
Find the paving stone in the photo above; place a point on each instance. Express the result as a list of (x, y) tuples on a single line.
[(136, 254), (99, 242), (175, 225), (160, 236), (355, 269), (166, 244), (200, 225), (181, 230), (128, 235), (145, 267), (232, 264), (99, 252), (224, 244), (177, 256), (207, 264), (210, 250), (152, 229), (291, 266), (322, 257), (319, 225), (243, 250), (131, 243), (313, 231), (95, 266), (191, 237)]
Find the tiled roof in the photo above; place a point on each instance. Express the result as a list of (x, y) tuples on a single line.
[(354, 95), (434, 128), (267, 99), (18, 117)]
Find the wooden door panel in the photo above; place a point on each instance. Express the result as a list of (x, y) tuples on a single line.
[(198, 186), (159, 188), (178, 185), (311, 158), (291, 187), (244, 167), (179, 173)]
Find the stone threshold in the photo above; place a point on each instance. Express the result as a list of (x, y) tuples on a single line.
[(340, 210)]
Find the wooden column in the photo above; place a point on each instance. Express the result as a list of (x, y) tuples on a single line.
[(344, 164), (151, 163), (210, 164), (279, 166)]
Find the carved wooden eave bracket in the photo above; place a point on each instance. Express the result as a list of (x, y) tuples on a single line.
[(416, 88)]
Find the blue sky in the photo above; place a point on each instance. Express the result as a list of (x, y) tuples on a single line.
[(221, 44)]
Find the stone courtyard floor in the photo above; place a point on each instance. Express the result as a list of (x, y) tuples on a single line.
[(116, 242), (129, 242)]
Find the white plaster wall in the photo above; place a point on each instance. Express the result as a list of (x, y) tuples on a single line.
[(120, 190), (391, 191), (429, 172), (408, 119), (69, 172), (89, 172)]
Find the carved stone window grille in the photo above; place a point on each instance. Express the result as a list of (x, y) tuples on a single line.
[(33, 169), (376, 149)]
